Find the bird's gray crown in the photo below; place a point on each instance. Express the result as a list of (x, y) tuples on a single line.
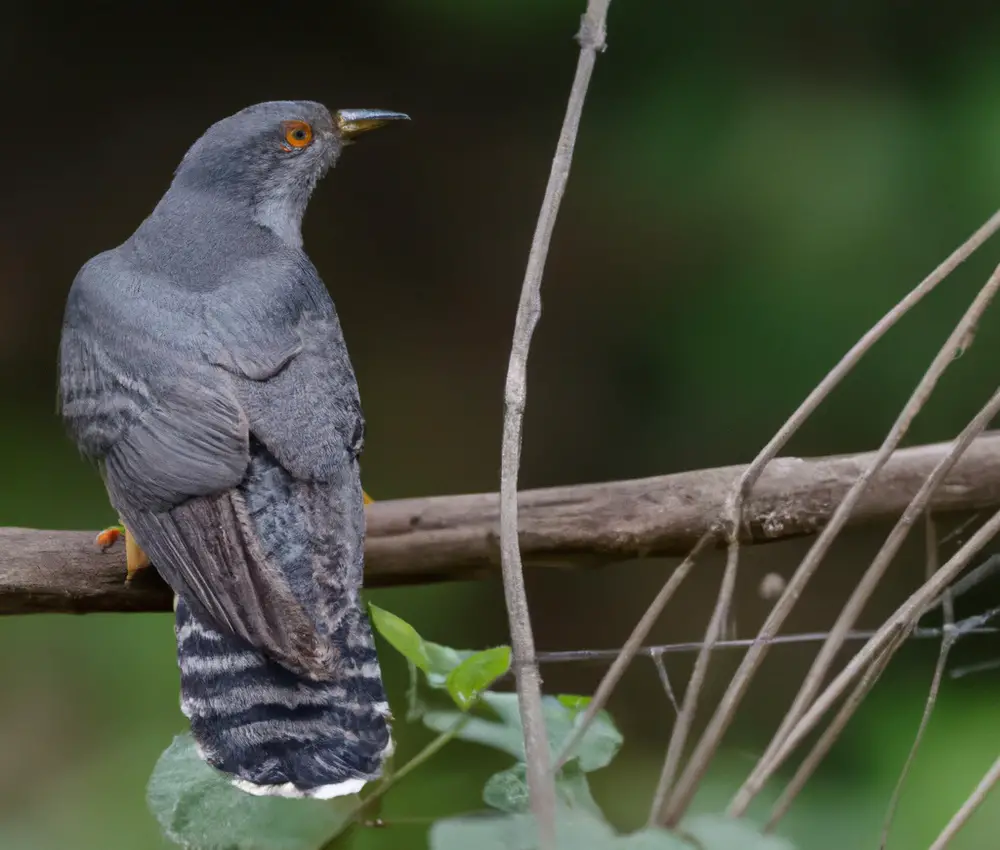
[(239, 153), (263, 161), (257, 166)]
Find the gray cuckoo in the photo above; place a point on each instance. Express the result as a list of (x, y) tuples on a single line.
[(203, 367)]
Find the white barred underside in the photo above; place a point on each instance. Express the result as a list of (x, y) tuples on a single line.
[(289, 791), (274, 734)]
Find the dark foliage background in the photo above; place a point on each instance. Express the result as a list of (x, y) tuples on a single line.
[(753, 187)]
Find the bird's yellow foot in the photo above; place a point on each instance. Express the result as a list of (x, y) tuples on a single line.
[(368, 499), (135, 558)]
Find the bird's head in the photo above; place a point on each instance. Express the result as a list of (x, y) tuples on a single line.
[(271, 155)]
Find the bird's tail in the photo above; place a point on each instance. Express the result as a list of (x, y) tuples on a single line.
[(275, 732)]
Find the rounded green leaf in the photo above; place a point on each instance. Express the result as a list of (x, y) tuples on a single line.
[(415, 706), (402, 636), (574, 790), (198, 808), (600, 743), (441, 661), (575, 830), (507, 790), (505, 706), (489, 733), (574, 702), (719, 832), (475, 674)]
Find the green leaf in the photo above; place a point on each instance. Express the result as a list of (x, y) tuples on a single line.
[(602, 741), (402, 636), (660, 839), (599, 746), (441, 661), (573, 789), (415, 706), (575, 830), (574, 702), (199, 809), (436, 661), (584, 830), (718, 832), (505, 706), (475, 674), (507, 791), (499, 736)]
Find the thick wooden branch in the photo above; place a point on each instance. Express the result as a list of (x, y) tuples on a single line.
[(457, 537)]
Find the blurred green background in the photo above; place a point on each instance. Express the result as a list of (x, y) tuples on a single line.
[(754, 185)]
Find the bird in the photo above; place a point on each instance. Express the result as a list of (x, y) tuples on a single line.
[(203, 368)]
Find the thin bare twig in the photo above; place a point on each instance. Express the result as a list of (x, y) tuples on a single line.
[(942, 360), (975, 576), (541, 786), (961, 528), (947, 642), (720, 721), (972, 669), (961, 817), (969, 626), (900, 621), (629, 650), (876, 570), (661, 671), (685, 719), (949, 634), (831, 733)]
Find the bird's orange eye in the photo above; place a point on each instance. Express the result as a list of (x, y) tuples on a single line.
[(298, 134)]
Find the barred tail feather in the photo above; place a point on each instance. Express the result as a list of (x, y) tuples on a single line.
[(277, 733)]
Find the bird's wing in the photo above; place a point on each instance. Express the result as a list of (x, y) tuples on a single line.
[(294, 379), (173, 444), (308, 417)]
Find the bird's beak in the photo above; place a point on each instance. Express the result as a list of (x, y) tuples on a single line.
[(354, 122)]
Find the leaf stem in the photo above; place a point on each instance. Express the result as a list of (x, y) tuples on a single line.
[(426, 753)]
